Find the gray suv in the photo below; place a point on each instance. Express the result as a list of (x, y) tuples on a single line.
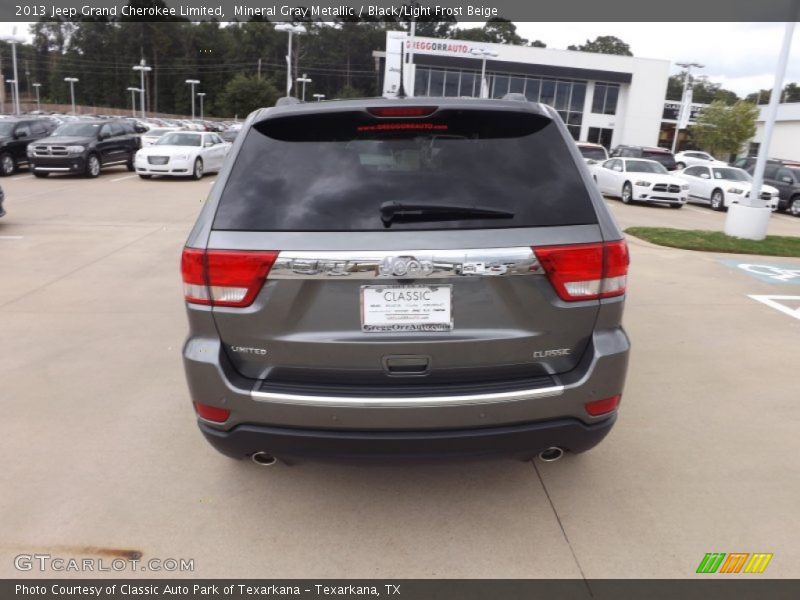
[(405, 278)]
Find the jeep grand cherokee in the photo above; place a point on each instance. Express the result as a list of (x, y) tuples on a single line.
[(405, 278)]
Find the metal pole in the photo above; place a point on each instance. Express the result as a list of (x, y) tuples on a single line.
[(72, 95), (36, 86), (410, 67), (769, 119), (688, 67), (289, 66), (16, 78), (133, 103), (201, 95)]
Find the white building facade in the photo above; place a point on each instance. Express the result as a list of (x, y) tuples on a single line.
[(602, 98), (785, 135)]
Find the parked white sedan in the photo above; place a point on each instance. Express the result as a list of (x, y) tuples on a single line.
[(639, 180), (181, 154), (690, 158), (722, 186), (153, 135)]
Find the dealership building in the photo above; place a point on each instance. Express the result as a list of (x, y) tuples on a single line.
[(603, 98)]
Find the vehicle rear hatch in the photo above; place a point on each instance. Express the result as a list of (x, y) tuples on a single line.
[(401, 239)]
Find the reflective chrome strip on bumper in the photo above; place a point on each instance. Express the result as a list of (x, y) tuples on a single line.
[(407, 402), (406, 264)]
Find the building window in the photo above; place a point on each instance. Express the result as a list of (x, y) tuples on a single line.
[(605, 98), (436, 86), (753, 149), (421, 81), (600, 135)]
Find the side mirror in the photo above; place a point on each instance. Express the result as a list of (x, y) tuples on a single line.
[(103, 135)]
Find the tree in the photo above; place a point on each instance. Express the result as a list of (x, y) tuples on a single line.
[(703, 91), (494, 31), (245, 93), (604, 44), (723, 129), (791, 93)]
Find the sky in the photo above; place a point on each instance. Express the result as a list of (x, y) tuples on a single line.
[(739, 56)]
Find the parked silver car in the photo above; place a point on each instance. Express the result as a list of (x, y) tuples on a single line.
[(405, 278)]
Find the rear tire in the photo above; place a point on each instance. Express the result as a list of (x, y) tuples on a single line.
[(717, 200), (794, 206), (40, 174), (680, 166), (676, 205), (197, 172), (627, 193), (92, 166), (7, 164)]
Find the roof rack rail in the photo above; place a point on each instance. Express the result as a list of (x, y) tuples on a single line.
[(516, 96), (284, 100)]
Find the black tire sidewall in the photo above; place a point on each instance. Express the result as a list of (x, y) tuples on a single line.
[(3, 171), (88, 166)]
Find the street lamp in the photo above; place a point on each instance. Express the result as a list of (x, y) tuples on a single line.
[(298, 29), (483, 53), (36, 86), (750, 219), (142, 68), (193, 82), (201, 95), (72, 81), (304, 80), (686, 107), (319, 96), (13, 39), (133, 91)]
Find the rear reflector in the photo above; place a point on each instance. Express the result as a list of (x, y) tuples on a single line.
[(224, 277), (212, 413), (402, 111), (586, 271), (601, 407)]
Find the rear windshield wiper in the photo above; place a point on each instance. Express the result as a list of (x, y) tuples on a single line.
[(395, 211)]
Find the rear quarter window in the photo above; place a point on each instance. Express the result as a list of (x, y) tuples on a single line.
[(333, 171)]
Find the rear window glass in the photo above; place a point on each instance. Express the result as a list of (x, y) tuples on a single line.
[(665, 158), (592, 152), (335, 172)]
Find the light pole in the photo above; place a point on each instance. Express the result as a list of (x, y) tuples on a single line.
[(319, 96), (288, 27), (133, 91), (72, 81), (201, 95), (750, 219), (11, 83), (304, 80), (483, 53), (36, 86), (13, 39), (142, 68), (685, 106), (193, 82)]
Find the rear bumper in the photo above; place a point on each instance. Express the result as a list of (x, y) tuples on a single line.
[(522, 441)]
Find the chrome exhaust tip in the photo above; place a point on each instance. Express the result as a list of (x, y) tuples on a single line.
[(263, 459), (551, 454)]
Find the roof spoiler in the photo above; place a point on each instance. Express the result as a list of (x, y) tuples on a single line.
[(516, 96), (284, 100)]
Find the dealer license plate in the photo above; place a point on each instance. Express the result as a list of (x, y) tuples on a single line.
[(406, 308)]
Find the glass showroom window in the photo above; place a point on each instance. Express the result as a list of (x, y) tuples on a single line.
[(605, 98)]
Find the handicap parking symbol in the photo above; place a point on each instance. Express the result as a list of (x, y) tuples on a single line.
[(766, 272)]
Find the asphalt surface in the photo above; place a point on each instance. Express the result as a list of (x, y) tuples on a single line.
[(100, 456)]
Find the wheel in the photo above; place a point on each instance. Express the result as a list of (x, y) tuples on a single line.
[(40, 174), (676, 205), (7, 164), (680, 166), (144, 176), (92, 166), (717, 200), (627, 192), (197, 172), (794, 207)]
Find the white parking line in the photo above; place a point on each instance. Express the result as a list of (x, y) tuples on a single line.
[(211, 182), (123, 178), (10, 237), (22, 177), (695, 209)]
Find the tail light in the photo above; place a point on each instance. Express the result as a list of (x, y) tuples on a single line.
[(212, 413), (586, 271), (402, 111), (224, 277), (601, 407)]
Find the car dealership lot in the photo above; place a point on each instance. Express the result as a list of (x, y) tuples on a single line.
[(101, 454)]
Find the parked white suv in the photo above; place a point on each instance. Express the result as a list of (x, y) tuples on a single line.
[(690, 158)]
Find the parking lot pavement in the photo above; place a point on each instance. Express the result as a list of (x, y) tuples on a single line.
[(101, 455)]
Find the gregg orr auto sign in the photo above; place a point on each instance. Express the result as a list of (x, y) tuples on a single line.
[(448, 47)]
